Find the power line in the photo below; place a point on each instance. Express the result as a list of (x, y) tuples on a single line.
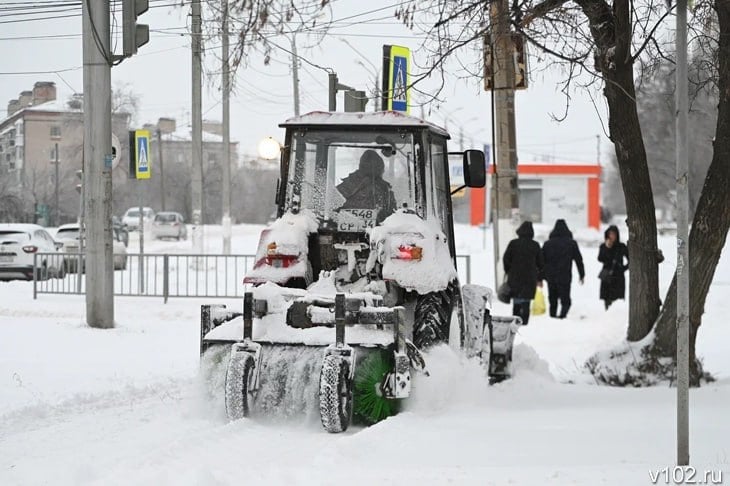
[(21, 73)]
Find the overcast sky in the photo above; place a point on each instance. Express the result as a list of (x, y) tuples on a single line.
[(160, 75)]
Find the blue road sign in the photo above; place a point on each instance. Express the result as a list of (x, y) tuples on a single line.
[(142, 154), (400, 83)]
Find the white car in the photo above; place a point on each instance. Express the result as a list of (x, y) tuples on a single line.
[(68, 236), (169, 225), (18, 245), (131, 218)]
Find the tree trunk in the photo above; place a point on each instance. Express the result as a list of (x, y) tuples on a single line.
[(712, 217), (612, 33)]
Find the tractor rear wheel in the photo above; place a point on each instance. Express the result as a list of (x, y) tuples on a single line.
[(433, 318), (335, 394), (238, 384)]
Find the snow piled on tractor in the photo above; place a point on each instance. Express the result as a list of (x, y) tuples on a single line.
[(287, 236), (404, 230)]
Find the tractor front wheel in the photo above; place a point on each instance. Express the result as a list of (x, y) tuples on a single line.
[(238, 385), (335, 394)]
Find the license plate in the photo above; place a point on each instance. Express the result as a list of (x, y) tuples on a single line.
[(356, 220), (6, 258)]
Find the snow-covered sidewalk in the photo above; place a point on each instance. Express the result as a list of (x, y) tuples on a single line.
[(124, 406)]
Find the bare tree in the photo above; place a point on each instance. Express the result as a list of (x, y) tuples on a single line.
[(11, 202), (711, 221)]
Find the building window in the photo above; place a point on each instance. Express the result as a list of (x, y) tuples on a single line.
[(11, 142), (55, 131), (53, 154)]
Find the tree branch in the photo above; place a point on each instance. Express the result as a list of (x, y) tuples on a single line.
[(650, 37), (540, 10)]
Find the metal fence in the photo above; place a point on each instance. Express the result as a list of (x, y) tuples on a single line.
[(162, 275)]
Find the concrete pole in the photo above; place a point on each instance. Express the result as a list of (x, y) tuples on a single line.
[(295, 74), (56, 216), (226, 159), (97, 162), (141, 238), (505, 182), (162, 169), (197, 131), (682, 94)]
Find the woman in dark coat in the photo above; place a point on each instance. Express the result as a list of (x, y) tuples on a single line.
[(523, 264), (612, 254), (560, 251)]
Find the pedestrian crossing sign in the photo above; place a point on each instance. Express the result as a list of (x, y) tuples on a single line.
[(396, 78), (140, 145)]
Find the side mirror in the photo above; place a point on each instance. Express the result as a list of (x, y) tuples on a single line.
[(58, 245), (475, 170)]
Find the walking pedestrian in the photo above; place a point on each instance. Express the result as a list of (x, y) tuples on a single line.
[(560, 251), (612, 253), (523, 265)]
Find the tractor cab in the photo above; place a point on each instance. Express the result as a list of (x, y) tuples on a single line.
[(352, 171)]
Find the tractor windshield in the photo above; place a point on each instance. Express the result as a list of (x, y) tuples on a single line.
[(352, 179)]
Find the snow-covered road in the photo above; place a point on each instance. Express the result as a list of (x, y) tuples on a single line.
[(125, 406)]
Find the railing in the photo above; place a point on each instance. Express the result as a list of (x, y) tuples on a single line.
[(162, 275), (151, 275)]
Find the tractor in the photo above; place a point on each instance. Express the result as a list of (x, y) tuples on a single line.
[(356, 277)]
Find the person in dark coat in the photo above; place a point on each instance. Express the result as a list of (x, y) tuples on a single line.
[(612, 253), (560, 251), (523, 265), (365, 188)]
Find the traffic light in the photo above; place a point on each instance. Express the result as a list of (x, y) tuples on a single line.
[(134, 35), (355, 101)]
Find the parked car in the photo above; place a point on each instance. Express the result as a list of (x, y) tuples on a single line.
[(18, 244), (131, 217), (169, 225), (122, 229), (68, 236)]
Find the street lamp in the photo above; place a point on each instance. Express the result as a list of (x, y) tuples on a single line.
[(269, 148)]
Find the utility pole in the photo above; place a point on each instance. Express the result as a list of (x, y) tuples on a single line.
[(332, 92), (97, 164), (226, 159), (506, 195), (197, 130), (682, 239), (295, 73), (162, 169), (56, 216)]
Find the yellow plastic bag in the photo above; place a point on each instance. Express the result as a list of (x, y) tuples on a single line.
[(538, 304)]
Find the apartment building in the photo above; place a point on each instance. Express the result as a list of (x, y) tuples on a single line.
[(41, 131)]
